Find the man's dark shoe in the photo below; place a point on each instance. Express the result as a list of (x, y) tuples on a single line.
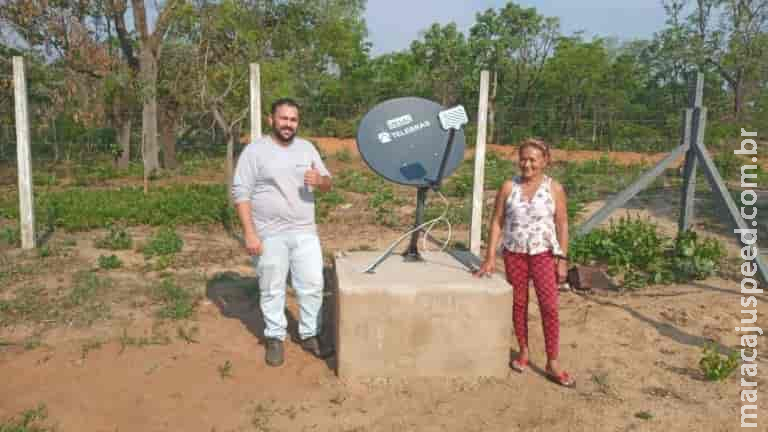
[(313, 346), (274, 355)]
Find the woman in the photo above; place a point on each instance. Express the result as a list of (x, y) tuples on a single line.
[(530, 220)]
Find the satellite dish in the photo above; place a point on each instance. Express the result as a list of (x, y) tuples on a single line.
[(404, 140), (414, 142)]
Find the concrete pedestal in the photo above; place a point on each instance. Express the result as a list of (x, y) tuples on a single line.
[(420, 319)]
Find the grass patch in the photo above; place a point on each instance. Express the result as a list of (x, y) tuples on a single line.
[(11, 270), (165, 242), (459, 212), (28, 421), (384, 203), (32, 343), (359, 181), (88, 347), (325, 202), (117, 238), (44, 251), (29, 304), (84, 304), (177, 302), (343, 155), (197, 163), (80, 209), (10, 236), (156, 338), (497, 171), (109, 262)]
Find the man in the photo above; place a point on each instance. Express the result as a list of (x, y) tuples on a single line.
[(273, 190)]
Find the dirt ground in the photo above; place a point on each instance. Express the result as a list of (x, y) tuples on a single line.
[(635, 355)]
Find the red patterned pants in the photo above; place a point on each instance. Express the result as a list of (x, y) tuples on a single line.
[(521, 267)]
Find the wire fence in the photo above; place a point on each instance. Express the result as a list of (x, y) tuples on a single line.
[(69, 130), (59, 137)]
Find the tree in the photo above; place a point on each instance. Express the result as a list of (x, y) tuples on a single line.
[(514, 45), (72, 37), (576, 76), (443, 56), (146, 64), (728, 36)]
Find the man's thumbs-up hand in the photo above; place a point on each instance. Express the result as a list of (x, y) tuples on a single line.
[(312, 176)]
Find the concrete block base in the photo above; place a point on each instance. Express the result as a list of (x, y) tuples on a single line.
[(420, 319)]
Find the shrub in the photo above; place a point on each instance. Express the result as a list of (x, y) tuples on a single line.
[(715, 366), (634, 249)]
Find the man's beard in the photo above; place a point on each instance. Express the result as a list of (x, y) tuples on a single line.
[(291, 134)]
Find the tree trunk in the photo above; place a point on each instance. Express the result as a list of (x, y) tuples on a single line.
[(738, 95), (168, 136), (124, 138), (149, 143)]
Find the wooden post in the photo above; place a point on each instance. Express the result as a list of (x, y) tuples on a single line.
[(255, 102), (26, 203), (477, 191)]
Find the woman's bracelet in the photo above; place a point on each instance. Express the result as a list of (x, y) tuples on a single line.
[(562, 257)]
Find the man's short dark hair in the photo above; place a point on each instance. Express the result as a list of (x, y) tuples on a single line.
[(284, 101)]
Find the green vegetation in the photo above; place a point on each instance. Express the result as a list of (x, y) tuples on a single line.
[(10, 236), (177, 302), (80, 209), (583, 181), (359, 181), (384, 204), (225, 370), (29, 421), (83, 304), (325, 202), (109, 262), (165, 242), (617, 98), (117, 238), (644, 415), (343, 155), (715, 366), (633, 249), (89, 346), (157, 338)]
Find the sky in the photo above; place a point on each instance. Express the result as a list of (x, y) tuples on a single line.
[(393, 24)]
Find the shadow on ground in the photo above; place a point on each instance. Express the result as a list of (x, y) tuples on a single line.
[(237, 297)]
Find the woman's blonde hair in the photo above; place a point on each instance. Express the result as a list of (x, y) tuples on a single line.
[(536, 143)]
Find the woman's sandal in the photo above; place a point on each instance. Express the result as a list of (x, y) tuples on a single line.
[(564, 379), (519, 365)]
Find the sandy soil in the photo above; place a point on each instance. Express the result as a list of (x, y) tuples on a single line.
[(635, 355)]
